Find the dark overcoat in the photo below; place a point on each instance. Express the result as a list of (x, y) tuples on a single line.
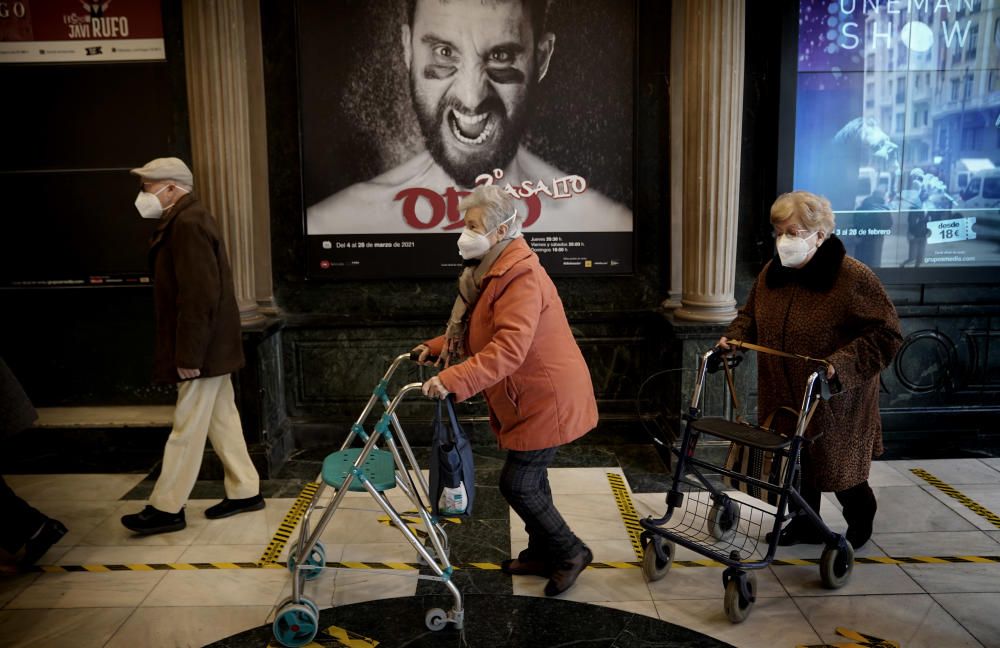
[(834, 308), (16, 411), (197, 318)]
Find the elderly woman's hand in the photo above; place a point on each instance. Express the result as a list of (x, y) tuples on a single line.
[(830, 371), (723, 343), (423, 352), (434, 388)]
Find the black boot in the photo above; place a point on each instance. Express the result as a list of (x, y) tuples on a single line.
[(565, 573), (859, 511), (801, 530)]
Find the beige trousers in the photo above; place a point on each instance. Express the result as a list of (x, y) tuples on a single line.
[(206, 408)]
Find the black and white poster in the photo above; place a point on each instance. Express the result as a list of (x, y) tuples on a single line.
[(407, 104)]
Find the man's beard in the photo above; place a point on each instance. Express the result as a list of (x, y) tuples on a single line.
[(496, 155)]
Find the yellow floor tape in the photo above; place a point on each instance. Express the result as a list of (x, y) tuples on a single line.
[(859, 640), (335, 637)]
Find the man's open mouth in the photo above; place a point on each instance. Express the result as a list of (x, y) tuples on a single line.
[(471, 129)]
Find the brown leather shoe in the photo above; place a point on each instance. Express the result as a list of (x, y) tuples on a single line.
[(527, 563), (566, 573), (518, 567)]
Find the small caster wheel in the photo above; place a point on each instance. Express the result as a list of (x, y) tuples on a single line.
[(652, 566), (317, 558), (295, 625), (724, 519), (436, 619), (303, 601), (737, 606), (836, 565)]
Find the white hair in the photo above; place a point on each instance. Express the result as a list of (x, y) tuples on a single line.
[(497, 207)]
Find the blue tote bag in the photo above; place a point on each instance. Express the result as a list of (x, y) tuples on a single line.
[(451, 457)]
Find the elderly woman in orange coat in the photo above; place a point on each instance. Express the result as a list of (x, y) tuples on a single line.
[(509, 331)]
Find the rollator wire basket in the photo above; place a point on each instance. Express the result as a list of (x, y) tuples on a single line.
[(385, 461), (732, 511)]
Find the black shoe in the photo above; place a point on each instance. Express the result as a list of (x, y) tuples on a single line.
[(566, 573), (228, 507), (49, 534), (798, 532), (152, 520)]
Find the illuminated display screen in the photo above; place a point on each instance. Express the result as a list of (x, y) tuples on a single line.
[(897, 122)]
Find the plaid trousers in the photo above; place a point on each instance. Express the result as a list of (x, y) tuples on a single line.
[(524, 483)]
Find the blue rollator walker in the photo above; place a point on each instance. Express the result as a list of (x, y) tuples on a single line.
[(376, 470), (762, 463)]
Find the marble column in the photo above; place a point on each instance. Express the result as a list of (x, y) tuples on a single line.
[(676, 107), (222, 61), (713, 117)]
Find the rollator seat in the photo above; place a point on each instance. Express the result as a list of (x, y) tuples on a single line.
[(379, 468), (748, 435)]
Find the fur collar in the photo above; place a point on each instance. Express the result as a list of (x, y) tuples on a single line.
[(818, 275)]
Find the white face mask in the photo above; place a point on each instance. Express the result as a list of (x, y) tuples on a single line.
[(793, 250), (473, 245), (149, 205)]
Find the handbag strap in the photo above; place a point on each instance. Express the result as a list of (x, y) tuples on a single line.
[(449, 404)]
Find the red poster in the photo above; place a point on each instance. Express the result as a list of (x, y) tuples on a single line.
[(54, 31)]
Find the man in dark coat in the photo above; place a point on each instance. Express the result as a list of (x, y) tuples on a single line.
[(813, 300), (198, 346), (23, 525)]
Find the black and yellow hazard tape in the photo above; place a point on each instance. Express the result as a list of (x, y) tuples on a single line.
[(952, 492), (287, 526), (490, 566), (627, 510)]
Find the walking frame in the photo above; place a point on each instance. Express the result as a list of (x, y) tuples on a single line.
[(374, 470), (715, 523)]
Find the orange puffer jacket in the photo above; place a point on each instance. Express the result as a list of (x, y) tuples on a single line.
[(523, 356)]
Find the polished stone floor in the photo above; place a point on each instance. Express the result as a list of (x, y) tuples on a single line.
[(185, 588)]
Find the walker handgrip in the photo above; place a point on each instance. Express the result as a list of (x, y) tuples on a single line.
[(720, 355), (415, 356), (824, 383)]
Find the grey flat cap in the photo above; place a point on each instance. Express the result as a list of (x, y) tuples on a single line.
[(169, 168)]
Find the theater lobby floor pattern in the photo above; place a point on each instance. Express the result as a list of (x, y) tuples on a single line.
[(169, 593)]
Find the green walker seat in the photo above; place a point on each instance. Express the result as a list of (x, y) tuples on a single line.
[(379, 468)]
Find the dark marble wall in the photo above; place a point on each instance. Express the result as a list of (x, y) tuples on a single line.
[(93, 345)]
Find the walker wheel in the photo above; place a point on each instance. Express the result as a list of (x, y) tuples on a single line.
[(652, 567), (295, 625), (723, 519), (836, 565), (737, 607), (317, 558), (302, 601), (436, 619)]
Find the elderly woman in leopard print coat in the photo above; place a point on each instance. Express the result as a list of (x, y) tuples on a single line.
[(812, 299)]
